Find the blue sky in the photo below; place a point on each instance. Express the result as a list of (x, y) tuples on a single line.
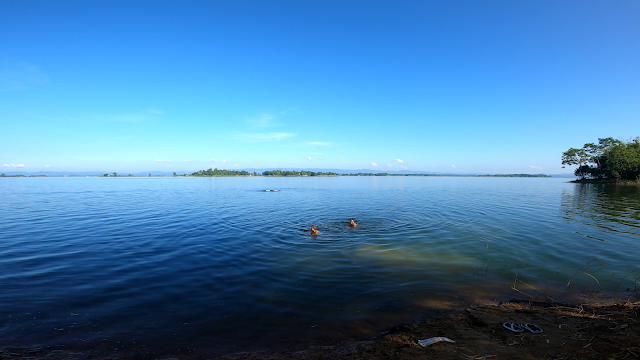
[(443, 86)]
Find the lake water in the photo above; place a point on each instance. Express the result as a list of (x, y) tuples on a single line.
[(209, 266)]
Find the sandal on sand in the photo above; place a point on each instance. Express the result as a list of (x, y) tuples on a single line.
[(515, 327), (533, 328)]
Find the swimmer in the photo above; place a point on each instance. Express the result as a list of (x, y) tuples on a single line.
[(314, 231), (352, 223)]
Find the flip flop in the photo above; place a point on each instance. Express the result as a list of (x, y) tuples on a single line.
[(515, 327), (533, 328)]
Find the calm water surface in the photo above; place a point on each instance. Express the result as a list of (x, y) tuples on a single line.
[(208, 266)]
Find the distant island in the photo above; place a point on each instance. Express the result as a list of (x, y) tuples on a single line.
[(218, 172), (609, 161), (274, 173), (288, 173), (20, 175)]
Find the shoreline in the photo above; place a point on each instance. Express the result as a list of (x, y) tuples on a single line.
[(570, 331), (605, 181)]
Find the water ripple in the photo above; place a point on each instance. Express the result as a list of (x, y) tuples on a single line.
[(217, 262)]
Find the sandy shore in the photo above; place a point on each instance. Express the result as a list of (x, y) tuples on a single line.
[(605, 331)]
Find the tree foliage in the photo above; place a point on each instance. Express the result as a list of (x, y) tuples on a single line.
[(609, 159), (218, 172), (297, 173)]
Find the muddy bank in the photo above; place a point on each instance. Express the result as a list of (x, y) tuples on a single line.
[(609, 331), (604, 331)]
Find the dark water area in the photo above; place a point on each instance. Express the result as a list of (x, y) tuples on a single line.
[(210, 266)]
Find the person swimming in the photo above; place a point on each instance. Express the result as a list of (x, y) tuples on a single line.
[(352, 223), (314, 231)]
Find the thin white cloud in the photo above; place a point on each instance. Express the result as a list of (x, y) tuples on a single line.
[(263, 137), (319, 143), (403, 167), (320, 158), (17, 165), (130, 117), (47, 166), (213, 160), (126, 117), (187, 160), (147, 115), (400, 161), (158, 160), (224, 160), (264, 120), (6, 165), (535, 167), (20, 76), (453, 166), (309, 158), (389, 165), (374, 164), (286, 111), (236, 165)]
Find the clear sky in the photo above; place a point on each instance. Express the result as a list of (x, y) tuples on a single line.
[(443, 86)]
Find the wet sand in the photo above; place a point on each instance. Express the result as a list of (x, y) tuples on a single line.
[(602, 331)]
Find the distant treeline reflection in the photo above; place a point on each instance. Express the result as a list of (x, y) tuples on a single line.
[(608, 207)]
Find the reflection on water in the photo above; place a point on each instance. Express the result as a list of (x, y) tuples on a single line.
[(612, 208), (209, 266)]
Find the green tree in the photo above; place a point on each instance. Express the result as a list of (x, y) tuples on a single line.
[(609, 159), (574, 156)]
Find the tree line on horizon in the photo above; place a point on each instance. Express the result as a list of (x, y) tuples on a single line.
[(297, 173), (609, 159), (219, 172), (222, 172)]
